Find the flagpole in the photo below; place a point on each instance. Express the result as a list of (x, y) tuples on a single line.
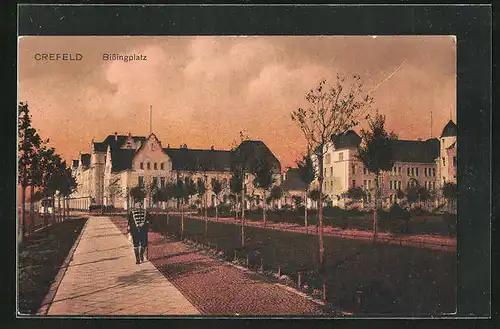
[(150, 119)]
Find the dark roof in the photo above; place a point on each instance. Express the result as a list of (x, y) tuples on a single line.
[(346, 140), (293, 182), (85, 158), (100, 147), (449, 130), (117, 141), (121, 159), (415, 151), (249, 151), (199, 160)]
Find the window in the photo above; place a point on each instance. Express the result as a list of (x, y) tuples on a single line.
[(444, 162), (353, 183), (354, 169), (331, 171), (408, 171), (412, 171), (425, 172), (155, 181), (324, 172), (141, 181), (454, 161), (324, 185), (341, 156), (364, 183), (155, 166), (390, 185), (364, 170), (442, 140), (162, 181), (142, 165), (416, 172), (434, 172), (434, 185), (162, 166), (399, 169), (149, 165), (328, 158), (399, 185)]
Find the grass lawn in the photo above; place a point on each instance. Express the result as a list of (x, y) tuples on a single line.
[(393, 279), (40, 258)]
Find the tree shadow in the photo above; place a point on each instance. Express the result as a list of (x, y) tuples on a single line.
[(182, 270), (96, 261), (142, 276)]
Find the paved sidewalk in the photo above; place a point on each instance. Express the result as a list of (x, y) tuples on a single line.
[(103, 279)]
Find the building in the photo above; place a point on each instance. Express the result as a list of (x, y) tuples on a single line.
[(429, 163), (120, 162)]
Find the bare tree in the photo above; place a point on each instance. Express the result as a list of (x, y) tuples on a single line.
[(331, 112)]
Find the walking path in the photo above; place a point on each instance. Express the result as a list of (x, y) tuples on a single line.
[(103, 279), (440, 243), (217, 288)]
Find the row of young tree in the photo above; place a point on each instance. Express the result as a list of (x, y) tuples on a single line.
[(41, 170), (332, 112)]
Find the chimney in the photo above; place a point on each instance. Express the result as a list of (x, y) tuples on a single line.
[(212, 147), (116, 136), (129, 135), (168, 146)]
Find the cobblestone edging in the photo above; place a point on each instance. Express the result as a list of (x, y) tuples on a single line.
[(47, 301)]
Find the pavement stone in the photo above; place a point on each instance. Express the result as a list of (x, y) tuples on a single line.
[(103, 279)]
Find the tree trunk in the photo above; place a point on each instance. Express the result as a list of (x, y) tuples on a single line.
[(243, 211), (320, 214), (182, 220), (45, 213), (22, 224), (32, 210), (53, 209), (216, 210), (264, 210), (305, 212), (58, 219), (375, 210)]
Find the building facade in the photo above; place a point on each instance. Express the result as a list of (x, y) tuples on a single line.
[(429, 164), (121, 162)]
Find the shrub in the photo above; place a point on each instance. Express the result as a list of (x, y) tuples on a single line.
[(418, 211), (451, 222)]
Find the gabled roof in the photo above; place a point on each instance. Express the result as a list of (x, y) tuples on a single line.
[(415, 151), (449, 130), (199, 160), (346, 140), (250, 150), (85, 158), (293, 182)]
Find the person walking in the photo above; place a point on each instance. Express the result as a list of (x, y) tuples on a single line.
[(138, 227)]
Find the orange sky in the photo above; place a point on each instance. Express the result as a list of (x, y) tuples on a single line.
[(204, 90)]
